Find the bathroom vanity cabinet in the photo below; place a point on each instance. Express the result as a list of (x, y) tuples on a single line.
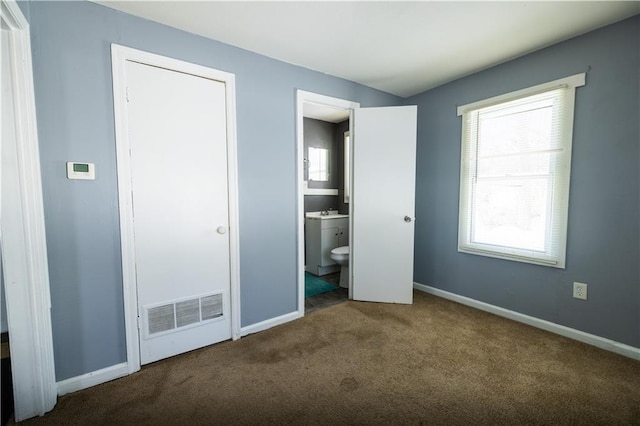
[(323, 234)]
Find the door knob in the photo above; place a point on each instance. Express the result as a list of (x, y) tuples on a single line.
[(222, 230), (407, 219)]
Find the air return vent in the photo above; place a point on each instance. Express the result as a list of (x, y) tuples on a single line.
[(211, 306), (187, 312), (161, 318), (176, 315)]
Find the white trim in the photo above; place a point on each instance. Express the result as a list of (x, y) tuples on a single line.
[(24, 241), (267, 324), (318, 191), (571, 333), (125, 206), (575, 80), (94, 378), (234, 211), (121, 54), (303, 97), (347, 166)]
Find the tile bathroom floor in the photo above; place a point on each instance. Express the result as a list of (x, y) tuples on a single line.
[(323, 300)]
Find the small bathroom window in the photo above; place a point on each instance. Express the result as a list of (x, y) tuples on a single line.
[(318, 164)]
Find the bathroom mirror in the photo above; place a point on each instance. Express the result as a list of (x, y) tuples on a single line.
[(318, 164)]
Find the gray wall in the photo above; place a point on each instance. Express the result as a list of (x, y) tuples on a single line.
[(603, 234), (315, 203), (322, 133), (72, 72)]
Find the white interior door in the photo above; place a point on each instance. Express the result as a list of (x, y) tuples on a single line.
[(178, 141), (383, 197)]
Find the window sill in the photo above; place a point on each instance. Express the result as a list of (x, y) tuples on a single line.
[(311, 191), (546, 261)]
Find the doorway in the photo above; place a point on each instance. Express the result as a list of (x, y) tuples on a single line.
[(320, 111), (326, 221), (382, 163), (175, 139)]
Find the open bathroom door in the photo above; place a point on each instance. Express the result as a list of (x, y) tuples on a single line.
[(383, 197)]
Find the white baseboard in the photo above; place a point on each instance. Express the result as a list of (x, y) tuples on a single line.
[(92, 379), (581, 336), (264, 325), (120, 370), (104, 375)]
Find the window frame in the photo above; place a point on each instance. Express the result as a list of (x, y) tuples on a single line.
[(549, 257), (347, 166)]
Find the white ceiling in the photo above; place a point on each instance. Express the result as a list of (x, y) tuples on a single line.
[(324, 112), (402, 48)]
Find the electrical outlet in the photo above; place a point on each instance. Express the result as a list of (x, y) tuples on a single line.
[(580, 291)]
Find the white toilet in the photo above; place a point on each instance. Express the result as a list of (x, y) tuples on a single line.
[(340, 255)]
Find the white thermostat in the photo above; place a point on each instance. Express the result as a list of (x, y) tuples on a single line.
[(86, 171)]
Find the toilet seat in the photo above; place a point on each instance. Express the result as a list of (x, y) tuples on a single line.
[(341, 250)]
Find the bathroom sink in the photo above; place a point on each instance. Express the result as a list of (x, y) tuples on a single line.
[(319, 215)]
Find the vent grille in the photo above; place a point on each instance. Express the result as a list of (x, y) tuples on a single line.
[(176, 315), (161, 318), (187, 312), (211, 306)]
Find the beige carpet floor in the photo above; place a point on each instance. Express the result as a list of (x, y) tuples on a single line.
[(434, 362)]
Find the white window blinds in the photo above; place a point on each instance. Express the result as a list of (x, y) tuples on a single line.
[(515, 170)]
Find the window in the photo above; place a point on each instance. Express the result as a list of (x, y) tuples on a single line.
[(514, 174), (318, 164)]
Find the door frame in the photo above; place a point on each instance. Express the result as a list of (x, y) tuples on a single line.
[(24, 248), (304, 97), (120, 55)]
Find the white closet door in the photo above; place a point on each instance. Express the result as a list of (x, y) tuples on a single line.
[(178, 139)]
